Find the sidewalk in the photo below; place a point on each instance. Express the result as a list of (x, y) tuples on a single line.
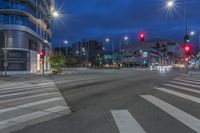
[(27, 100)]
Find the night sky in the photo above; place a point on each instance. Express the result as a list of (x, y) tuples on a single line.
[(98, 19)]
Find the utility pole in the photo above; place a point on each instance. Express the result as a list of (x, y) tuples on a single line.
[(5, 53)]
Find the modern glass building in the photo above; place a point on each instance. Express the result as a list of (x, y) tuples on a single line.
[(25, 29)]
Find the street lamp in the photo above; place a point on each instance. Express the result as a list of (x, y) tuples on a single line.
[(55, 14), (113, 51), (65, 42), (126, 38), (5, 53), (192, 33), (170, 4)]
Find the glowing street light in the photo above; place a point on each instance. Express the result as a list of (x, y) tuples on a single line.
[(192, 33), (126, 38), (55, 14), (170, 4), (107, 40), (65, 42)]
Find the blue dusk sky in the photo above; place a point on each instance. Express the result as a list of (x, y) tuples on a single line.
[(98, 19)]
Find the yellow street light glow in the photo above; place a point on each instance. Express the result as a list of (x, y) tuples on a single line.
[(55, 14)]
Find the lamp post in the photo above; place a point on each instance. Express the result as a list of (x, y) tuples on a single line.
[(5, 53), (171, 4), (192, 33), (113, 51), (124, 39)]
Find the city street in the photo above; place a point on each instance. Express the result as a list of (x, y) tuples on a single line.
[(99, 66), (125, 101)]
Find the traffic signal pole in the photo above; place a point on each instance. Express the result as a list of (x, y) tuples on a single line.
[(43, 67)]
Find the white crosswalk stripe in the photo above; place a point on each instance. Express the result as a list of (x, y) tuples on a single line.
[(183, 88), (126, 123), (180, 115), (188, 97), (26, 103), (187, 81), (179, 87), (181, 83)]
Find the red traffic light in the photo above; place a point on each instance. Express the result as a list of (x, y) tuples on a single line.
[(41, 62), (142, 36), (186, 59), (187, 49), (42, 54)]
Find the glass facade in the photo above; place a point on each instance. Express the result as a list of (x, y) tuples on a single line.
[(17, 20), (33, 17), (14, 18), (17, 5)]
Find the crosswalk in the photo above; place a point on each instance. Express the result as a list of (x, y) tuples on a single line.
[(28, 102), (186, 88)]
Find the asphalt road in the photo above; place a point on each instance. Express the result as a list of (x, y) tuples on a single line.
[(124, 101)]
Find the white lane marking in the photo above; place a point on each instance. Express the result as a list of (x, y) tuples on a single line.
[(30, 104), (190, 79), (27, 97), (25, 86), (185, 96), (187, 81), (126, 123), (26, 92), (30, 116), (21, 89), (183, 88), (187, 119), (176, 82)]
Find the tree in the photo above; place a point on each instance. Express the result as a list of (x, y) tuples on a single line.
[(57, 61)]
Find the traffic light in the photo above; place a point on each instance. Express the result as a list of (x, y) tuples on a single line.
[(142, 36), (42, 54), (186, 59), (187, 49), (186, 38)]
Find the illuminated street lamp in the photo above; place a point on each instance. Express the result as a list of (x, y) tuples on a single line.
[(192, 33), (55, 14), (113, 51), (170, 4), (65, 42), (126, 38)]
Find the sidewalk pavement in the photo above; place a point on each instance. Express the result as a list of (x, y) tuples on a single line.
[(27, 100)]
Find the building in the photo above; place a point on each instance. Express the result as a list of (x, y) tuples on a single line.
[(27, 26), (151, 53), (66, 51), (87, 50)]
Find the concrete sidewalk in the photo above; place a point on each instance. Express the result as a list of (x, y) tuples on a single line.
[(27, 100)]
